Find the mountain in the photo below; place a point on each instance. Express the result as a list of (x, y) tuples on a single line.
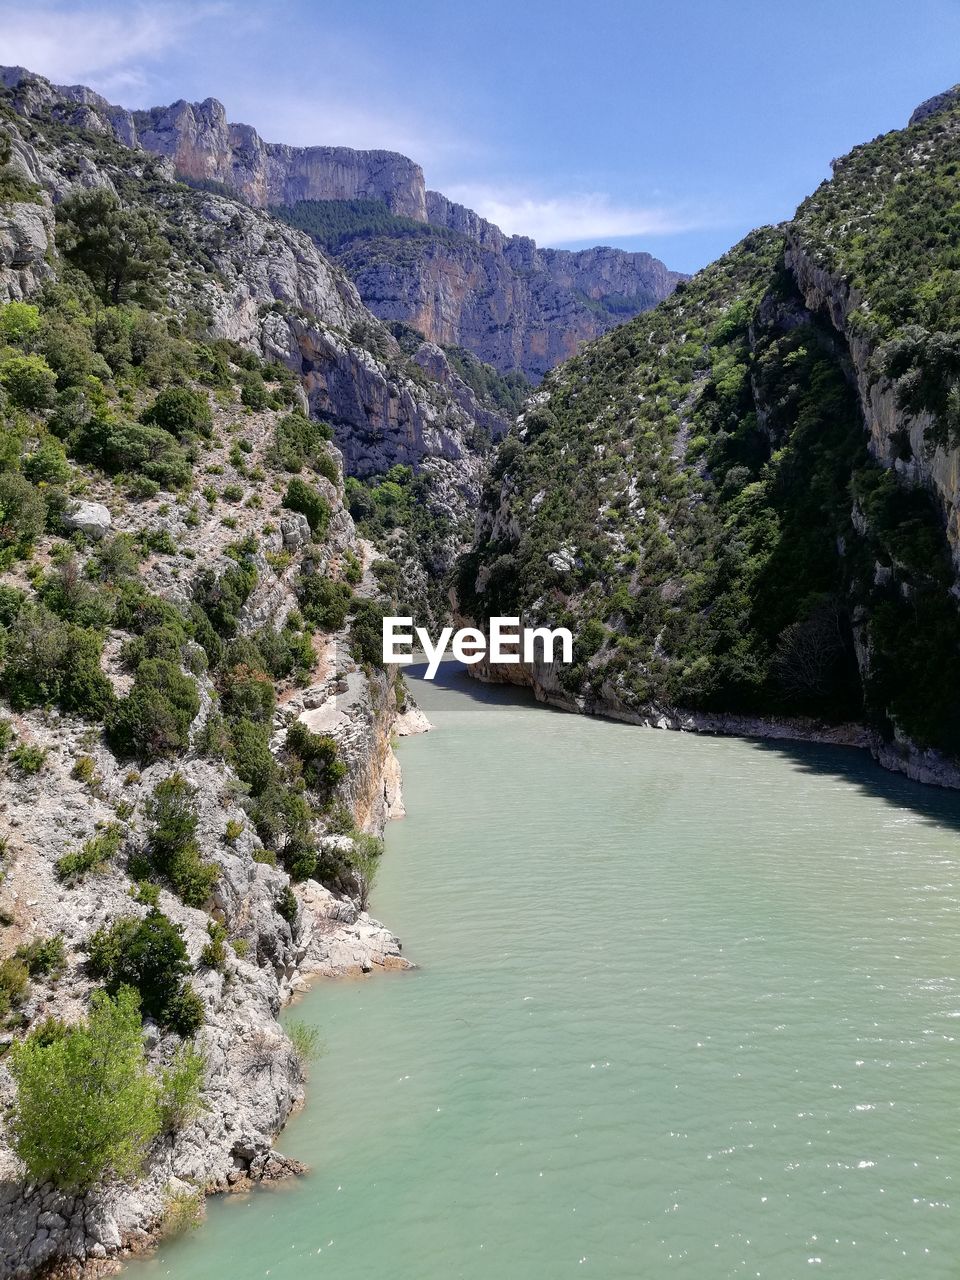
[(415, 256), (460, 281), (195, 725), (248, 278), (745, 502)]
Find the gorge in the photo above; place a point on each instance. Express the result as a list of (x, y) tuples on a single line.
[(254, 399)]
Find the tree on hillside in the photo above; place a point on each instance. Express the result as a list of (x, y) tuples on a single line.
[(86, 1106), (119, 249)]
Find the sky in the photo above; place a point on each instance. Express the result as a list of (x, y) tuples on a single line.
[(671, 127)]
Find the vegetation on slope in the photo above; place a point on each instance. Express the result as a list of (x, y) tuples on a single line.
[(694, 496), (113, 394), (336, 224)]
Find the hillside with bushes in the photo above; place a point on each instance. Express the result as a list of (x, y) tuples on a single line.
[(744, 502), (195, 725)]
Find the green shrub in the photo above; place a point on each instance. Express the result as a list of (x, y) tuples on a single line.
[(299, 442), (49, 661), (319, 756), (119, 249), (181, 1085), (248, 750), (324, 602), (70, 597), (353, 569), (249, 693), (161, 542), (365, 863), (114, 559), (304, 498), (214, 954), (155, 717), (181, 411), (86, 1106), (149, 453), (28, 381), (23, 513), (14, 983), (326, 467), (305, 1042), (287, 905), (47, 464), (150, 956), (221, 595), (366, 632), (44, 957), (185, 1012), (182, 1209), (28, 757), (172, 840), (19, 322), (253, 391), (92, 857), (84, 770)]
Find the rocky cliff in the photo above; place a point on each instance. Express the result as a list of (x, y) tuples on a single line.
[(176, 559), (204, 147), (512, 304), (261, 284), (745, 503)]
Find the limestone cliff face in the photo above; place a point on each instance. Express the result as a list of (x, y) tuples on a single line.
[(203, 145), (266, 285), (513, 304), (935, 466)]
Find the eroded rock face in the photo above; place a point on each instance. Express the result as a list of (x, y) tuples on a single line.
[(203, 145), (269, 288), (512, 304)]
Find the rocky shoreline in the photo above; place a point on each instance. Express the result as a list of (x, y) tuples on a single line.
[(255, 1080)]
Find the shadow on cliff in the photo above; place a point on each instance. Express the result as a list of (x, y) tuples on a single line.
[(852, 766)]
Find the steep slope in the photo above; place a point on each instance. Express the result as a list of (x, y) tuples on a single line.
[(244, 276), (195, 730), (744, 502), (460, 281), (510, 303)]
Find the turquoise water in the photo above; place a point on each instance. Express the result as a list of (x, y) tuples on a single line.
[(685, 1007)]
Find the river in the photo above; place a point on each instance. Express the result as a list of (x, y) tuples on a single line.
[(685, 1006)]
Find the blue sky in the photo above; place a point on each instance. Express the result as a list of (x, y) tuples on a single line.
[(673, 127)]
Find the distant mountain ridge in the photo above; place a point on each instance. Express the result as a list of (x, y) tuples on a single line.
[(501, 297)]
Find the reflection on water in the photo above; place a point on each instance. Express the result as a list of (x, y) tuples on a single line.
[(685, 1006)]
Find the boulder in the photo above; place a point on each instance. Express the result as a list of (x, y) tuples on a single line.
[(91, 518)]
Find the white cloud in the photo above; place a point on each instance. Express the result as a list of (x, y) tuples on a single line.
[(552, 220), (333, 116), (71, 44)]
